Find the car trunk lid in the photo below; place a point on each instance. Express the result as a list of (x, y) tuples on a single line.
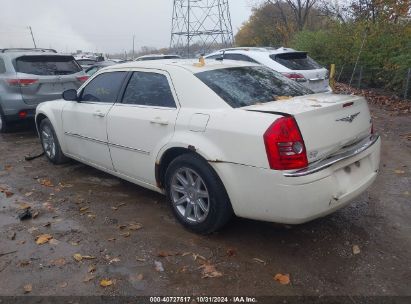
[(327, 122)]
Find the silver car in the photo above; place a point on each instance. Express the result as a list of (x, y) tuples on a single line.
[(31, 76)]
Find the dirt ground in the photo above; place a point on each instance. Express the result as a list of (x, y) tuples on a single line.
[(93, 214)]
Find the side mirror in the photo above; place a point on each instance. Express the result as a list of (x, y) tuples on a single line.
[(70, 95)]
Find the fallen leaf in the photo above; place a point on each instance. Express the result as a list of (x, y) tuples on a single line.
[(88, 278), (231, 252), (35, 214), (165, 254), (24, 206), (83, 209), (115, 260), (209, 271), (91, 216), (58, 262), (140, 259), (78, 257), (259, 261), (91, 269), (88, 257), (106, 283), (158, 266), (24, 263), (114, 208), (399, 172), (28, 288), (43, 239), (63, 285), (135, 226), (283, 279), (356, 249), (74, 243), (54, 242), (46, 183), (137, 278), (126, 234)]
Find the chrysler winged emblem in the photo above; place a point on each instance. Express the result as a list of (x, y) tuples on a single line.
[(350, 118)]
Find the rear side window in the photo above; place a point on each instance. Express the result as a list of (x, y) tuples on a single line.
[(47, 65), (85, 62), (2, 66), (238, 57), (104, 88), (246, 86), (149, 89), (296, 61)]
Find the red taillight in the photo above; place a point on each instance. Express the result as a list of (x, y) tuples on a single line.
[(22, 114), (285, 145), (295, 76), (16, 82), (83, 78)]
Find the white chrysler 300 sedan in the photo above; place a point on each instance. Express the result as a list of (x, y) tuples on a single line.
[(218, 139)]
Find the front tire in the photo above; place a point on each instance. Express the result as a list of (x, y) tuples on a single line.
[(50, 143), (196, 194)]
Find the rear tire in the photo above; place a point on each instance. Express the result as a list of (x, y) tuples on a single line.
[(50, 143), (196, 195), (4, 125)]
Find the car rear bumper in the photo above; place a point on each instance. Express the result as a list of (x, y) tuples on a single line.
[(269, 195)]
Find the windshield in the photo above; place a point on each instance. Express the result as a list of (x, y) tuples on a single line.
[(246, 86), (296, 61), (47, 65)]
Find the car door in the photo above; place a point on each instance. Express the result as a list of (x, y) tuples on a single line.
[(85, 121), (142, 123)]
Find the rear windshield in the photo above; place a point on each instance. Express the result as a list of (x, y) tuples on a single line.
[(246, 86), (47, 65), (296, 61)]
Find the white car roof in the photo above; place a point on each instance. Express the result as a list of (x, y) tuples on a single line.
[(256, 50), (187, 64)]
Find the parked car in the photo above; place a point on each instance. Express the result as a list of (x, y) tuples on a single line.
[(295, 65), (157, 57), (31, 76), (98, 66), (218, 139)]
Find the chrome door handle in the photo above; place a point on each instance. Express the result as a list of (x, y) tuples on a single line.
[(99, 114), (159, 121)]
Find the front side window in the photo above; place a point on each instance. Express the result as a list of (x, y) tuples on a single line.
[(104, 88), (246, 86), (149, 89), (47, 65), (296, 61)]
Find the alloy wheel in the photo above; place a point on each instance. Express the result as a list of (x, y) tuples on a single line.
[(190, 196)]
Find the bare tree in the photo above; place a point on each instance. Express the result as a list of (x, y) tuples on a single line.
[(301, 10)]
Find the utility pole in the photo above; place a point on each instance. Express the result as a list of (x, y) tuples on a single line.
[(134, 37), (32, 36)]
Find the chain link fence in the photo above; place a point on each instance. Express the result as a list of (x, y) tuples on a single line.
[(365, 77)]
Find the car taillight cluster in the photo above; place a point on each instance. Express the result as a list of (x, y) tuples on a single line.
[(295, 76), (83, 78), (285, 145), (16, 82)]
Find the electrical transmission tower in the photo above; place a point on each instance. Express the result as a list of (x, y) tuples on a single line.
[(200, 26)]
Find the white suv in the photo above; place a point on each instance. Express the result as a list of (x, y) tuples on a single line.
[(295, 65)]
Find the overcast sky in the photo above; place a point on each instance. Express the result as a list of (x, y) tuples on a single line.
[(95, 25)]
